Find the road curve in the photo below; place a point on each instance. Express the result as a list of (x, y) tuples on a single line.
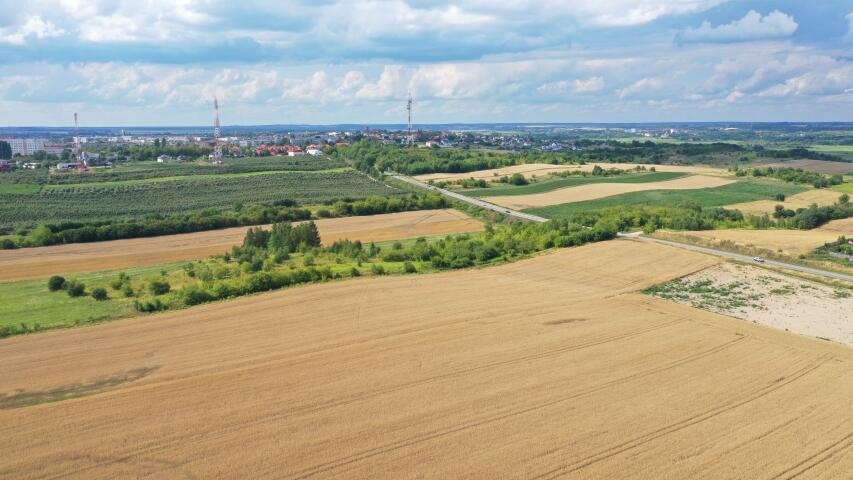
[(469, 200), (745, 258)]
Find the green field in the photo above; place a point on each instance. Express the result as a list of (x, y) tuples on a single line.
[(150, 169), (740, 191), (137, 199), (31, 304), (555, 183), (843, 151)]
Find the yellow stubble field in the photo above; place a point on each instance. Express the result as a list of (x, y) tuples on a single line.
[(28, 263), (551, 367)]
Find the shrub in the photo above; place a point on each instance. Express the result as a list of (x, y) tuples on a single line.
[(55, 283), (120, 280), (148, 306), (517, 179), (377, 269), (159, 287), (75, 288), (99, 293), (354, 272), (780, 197), (409, 267), (8, 244), (127, 290)]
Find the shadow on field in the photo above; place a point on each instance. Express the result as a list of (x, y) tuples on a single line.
[(25, 398)]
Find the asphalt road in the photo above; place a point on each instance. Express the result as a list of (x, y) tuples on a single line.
[(745, 258), (534, 218), (470, 200)]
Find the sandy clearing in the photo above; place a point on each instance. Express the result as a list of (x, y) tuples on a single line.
[(601, 190), (793, 202), (819, 166), (786, 242), (42, 262), (549, 362), (777, 300), (544, 169)]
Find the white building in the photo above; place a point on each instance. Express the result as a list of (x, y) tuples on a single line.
[(165, 159), (25, 146)]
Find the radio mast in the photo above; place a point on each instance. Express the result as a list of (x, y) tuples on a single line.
[(411, 137), (217, 132)]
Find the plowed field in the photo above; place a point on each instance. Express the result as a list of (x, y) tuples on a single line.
[(41, 262), (544, 368)]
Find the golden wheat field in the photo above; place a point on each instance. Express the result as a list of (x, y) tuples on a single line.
[(788, 242), (793, 202), (530, 170), (600, 190), (551, 367), (42, 262)]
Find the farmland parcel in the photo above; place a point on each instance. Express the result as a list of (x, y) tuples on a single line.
[(544, 368), (88, 257)]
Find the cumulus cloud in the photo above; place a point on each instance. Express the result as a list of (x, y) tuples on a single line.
[(640, 88), (33, 27), (753, 26), (849, 36)]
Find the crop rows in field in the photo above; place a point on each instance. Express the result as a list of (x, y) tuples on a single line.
[(105, 202), (740, 191), (146, 170)]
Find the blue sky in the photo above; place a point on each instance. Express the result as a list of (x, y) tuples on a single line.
[(160, 62)]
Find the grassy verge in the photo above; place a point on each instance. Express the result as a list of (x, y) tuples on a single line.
[(738, 192), (555, 183)]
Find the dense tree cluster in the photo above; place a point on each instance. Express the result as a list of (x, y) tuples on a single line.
[(793, 175)]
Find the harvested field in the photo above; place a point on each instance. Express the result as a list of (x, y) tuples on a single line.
[(819, 166), (786, 242), (543, 368), (544, 169), (600, 190), (42, 262), (769, 298), (793, 202)]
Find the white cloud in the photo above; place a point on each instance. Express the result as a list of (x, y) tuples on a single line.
[(849, 36), (640, 87), (578, 85), (752, 26), (33, 26)]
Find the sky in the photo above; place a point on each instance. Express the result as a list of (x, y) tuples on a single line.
[(161, 62)]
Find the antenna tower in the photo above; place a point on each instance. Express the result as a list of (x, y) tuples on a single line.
[(76, 138), (217, 147), (409, 109)]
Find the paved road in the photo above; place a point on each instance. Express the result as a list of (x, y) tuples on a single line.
[(535, 218), (745, 258), (469, 200)]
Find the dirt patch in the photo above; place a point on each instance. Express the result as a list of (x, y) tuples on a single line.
[(793, 202), (29, 263), (600, 190), (25, 398), (409, 377), (769, 298), (530, 170), (566, 321)]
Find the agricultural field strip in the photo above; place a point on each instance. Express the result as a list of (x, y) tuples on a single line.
[(106, 202), (794, 242), (409, 377), (469, 200), (572, 181), (745, 258), (601, 190), (531, 169), (41, 262), (792, 202)]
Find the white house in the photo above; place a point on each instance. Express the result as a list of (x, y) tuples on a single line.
[(165, 159)]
